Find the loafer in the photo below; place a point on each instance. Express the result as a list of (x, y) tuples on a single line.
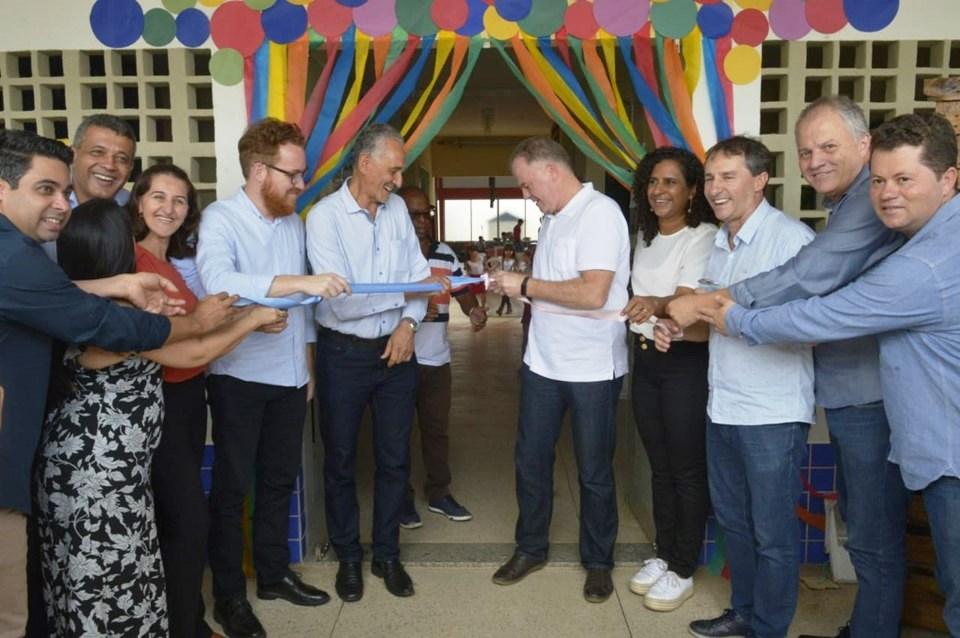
[(350, 581), (516, 569), (729, 624), (293, 590), (394, 576), (237, 618), (598, 586)]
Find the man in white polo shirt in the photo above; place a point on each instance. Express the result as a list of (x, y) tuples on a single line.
[(575, 359)]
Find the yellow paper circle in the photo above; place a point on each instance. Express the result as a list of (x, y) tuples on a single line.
[(762, 5), (497, 27), (302, 3), (211, 3), (742, 64)]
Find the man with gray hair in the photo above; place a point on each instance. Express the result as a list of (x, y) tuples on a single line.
[(365, 353), (104, 148), (833, 148)]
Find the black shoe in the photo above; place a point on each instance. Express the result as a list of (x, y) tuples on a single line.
[(843, 632), (394, 576), (293, 590), (598, 586), (350, 581), (516, 569), (237, 619), (727, 625)]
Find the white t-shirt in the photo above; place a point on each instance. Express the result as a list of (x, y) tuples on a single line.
[(431, 344), (669, 262), (589, 233)]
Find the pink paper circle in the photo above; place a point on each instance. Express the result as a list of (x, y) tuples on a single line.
[(375, 17), (449, 15), (788, 19), (826, 16), (621, 17), (234, 25), (750, 27), (329, 18), (580, 21)]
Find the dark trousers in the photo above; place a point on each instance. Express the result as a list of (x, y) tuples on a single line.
[(257, 437), (670, 408), (433, 419), (350, 376), (593, 408), (181, 507)]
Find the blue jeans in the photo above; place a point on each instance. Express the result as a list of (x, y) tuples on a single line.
[(942, 501), (349, 378), (873, 501), (754, 475), (593, 408)]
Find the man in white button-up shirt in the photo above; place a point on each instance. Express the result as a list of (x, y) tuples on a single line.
[(575, 359), (252, 245)]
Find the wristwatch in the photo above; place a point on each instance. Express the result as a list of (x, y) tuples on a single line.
[(523, 287), (414, 324)]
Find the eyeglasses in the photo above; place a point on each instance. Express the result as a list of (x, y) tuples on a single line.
[(295, 176)]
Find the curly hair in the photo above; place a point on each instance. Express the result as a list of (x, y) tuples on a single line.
[(183, 241), (262, 139), (692, 170)]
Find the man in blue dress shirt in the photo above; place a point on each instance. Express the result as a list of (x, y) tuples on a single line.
[(365, 353), (252, 244), (911, 300)]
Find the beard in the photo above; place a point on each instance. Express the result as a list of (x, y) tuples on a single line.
[(276, 202)]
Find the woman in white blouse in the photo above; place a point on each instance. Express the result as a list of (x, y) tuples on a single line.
[(677, 228)]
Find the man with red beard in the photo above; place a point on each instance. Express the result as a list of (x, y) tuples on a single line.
[(253, 245)]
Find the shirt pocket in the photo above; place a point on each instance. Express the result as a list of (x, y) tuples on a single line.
[(398, 263)]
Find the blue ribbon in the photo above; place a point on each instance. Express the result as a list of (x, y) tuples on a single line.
[(285, 303), (261, 82), (651, 103), (550, 55), (718, 101)]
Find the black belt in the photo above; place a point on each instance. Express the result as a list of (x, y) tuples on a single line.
[(352, 340)]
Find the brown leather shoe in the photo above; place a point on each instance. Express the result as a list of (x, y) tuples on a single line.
[(598, 586), (516, 569)]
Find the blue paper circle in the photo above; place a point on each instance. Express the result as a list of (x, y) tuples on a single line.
[(715, 20), (352, 3), (474, 23), (870, 15), (284, 22), (193, 27), (117, 23), (513, 9)]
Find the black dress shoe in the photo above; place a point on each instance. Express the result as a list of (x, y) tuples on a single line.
[(843, 632), (394, 576), (237, 619), (293, 590), (350, 581), (516, 569), (598, 586)]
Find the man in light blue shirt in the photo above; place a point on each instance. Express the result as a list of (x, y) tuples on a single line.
[(252, 244), (911, 300), (365, 353), (760, 406)]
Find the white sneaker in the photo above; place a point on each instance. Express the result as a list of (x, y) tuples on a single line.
[(643, 580), (669, 592)]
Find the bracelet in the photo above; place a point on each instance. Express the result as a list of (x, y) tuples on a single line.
[(523, 286)]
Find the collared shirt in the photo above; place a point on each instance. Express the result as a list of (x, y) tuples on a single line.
[(911, 300), (343, 238), (589, 233), (847, 372), (770, 384), (240, 251), (39, 303), (432, 346)]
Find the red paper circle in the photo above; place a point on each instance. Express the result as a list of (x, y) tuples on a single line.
[(750, 27), (234, 25), (579, 20), (449, 15), (329, 18), (826, 16)]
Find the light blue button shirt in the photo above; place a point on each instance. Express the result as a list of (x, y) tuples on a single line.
[(770, 384), (239, 251), (343, 238), (912, 301)]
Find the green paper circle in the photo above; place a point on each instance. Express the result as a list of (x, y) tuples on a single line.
[(545, 17), (674, 18), (260, 5), (176, 6), (414, 16), (159, 27), (226, 67)]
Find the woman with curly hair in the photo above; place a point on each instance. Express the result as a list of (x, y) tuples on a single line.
[(677, 228)]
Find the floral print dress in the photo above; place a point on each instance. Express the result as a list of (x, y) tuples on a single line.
[(102, 573)]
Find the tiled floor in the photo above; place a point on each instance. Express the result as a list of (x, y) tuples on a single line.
[(452, 563)]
